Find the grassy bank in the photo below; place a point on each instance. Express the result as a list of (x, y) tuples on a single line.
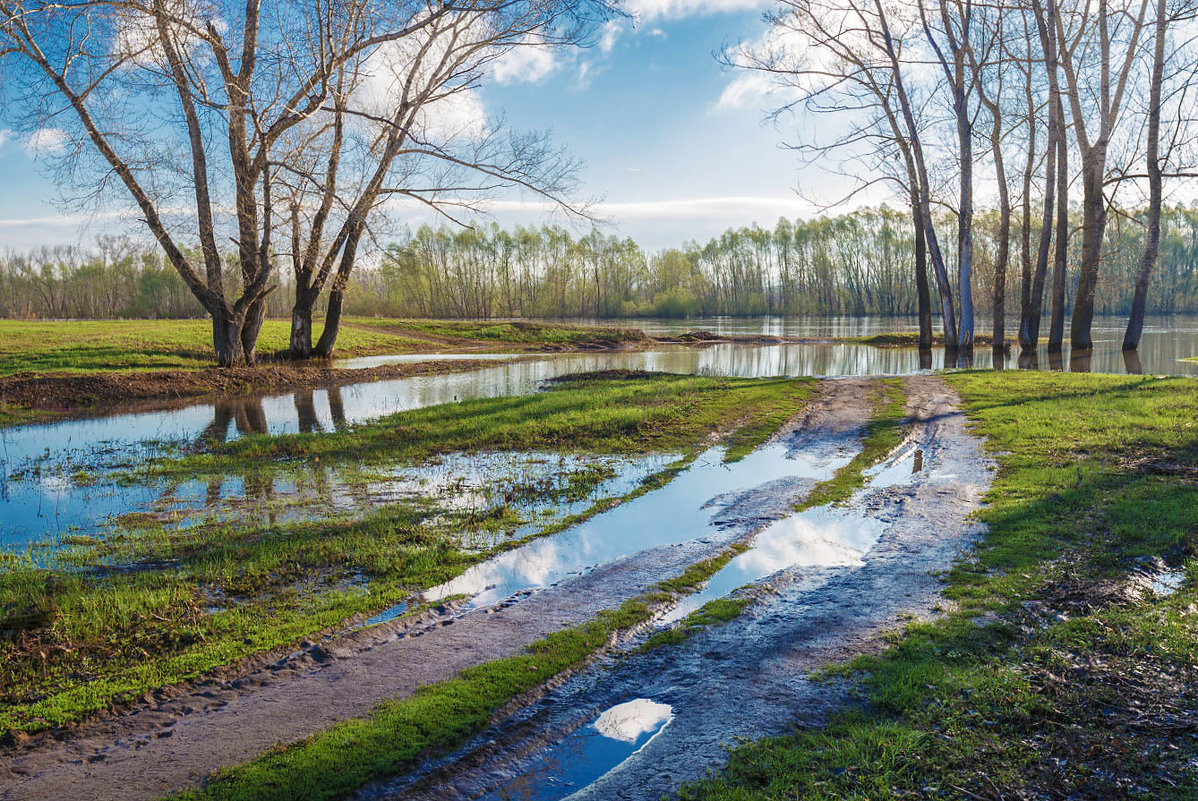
[(151, 604), (610, 412), (1060, 673), (86, 346)]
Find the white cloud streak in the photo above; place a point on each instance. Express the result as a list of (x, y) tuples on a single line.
[(528, 62), (649, 10)]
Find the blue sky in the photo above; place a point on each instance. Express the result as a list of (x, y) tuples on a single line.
[(642, 109)]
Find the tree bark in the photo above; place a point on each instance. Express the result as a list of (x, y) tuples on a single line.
[(1135, 321), (922, 290), (1056, 329), (1029, 329)]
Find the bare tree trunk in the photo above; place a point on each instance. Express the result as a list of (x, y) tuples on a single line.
[(1029, 330), (332, 325), (300, 345), (226, 338), (1135, 322), (254, 318), (332, 321), (1025, 232), (947, 311), (922, 290), (1056, 329)]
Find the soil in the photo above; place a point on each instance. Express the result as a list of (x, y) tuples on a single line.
[(68, 392), (176, 738)]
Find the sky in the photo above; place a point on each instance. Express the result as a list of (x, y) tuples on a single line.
[(674, 146)]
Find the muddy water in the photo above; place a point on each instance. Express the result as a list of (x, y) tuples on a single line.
[(750, 677), (683, 511)]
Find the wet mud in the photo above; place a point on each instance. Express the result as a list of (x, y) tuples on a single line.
[(751, 677), (179, 736)]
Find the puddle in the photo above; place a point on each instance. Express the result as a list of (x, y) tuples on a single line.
[(682, 511), (820, 537), (826, 536), (1167, 583), (589, 753), (531, 485)]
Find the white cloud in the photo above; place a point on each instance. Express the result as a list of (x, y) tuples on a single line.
[(610, 35), (455, 112), (6, 136), (459, 115), (45, 142), (746, 90), (648, 10), (528, 62)]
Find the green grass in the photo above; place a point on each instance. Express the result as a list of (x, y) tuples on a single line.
[(440, 716), (1046, 680), (885, 430), (639, 414), (84, 346), (712, 613), (512, 332), (77, 636)]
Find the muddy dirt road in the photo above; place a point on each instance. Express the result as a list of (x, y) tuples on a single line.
[(164, 745), (681, 705)]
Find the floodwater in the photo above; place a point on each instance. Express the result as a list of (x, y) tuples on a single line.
[(41, 493), (1166, 342), (685, 510)]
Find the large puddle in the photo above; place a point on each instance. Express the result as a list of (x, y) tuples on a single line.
[(684, 510), (824, 536), (683, 696)]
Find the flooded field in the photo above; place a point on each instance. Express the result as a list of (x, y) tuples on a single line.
[(52, 475)]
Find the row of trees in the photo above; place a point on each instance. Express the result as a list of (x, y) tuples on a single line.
[(852, 264), (1033, 98)]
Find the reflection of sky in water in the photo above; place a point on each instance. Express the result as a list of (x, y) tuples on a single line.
[(826, 536), (676, 513), (51, 505), (588, 753), (364, 362), (820, 537)]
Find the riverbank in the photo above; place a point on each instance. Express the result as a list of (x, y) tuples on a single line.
[(49, 369)]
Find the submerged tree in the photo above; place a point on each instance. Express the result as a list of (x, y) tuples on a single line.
[(282, 127)]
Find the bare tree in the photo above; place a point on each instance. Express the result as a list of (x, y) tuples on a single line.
[(957, 22), (213, 117), (1098, 31), (1135, 321), (842, 58), (990, 67)]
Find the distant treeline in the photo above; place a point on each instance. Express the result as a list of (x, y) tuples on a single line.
[(851, 264)]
